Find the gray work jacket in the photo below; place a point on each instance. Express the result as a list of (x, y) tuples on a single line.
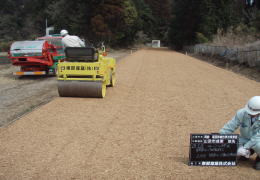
[(242, 120)]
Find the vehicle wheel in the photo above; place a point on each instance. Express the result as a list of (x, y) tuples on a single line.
[(47, 72), (55, 71), (104, 90), (112, 79)]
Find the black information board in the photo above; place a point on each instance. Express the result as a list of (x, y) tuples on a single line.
[(213, 149)]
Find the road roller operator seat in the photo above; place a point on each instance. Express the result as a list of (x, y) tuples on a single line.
[(81, 54)]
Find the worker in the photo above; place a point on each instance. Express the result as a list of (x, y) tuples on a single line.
[(71, 41), (247, 120)]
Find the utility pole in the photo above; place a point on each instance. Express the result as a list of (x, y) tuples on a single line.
[(46, 29)]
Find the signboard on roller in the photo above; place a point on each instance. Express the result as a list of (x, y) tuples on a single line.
[(213, 149)]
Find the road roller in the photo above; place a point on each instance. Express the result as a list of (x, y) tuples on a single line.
[(85, 72)]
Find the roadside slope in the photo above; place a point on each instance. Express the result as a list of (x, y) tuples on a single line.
[(140, 130)]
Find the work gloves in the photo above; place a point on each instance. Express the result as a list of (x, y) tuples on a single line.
[(243, 152)]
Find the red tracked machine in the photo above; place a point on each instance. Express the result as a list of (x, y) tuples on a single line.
[(34, 57)]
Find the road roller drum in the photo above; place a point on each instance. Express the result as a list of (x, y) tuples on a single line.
[(81, 89)]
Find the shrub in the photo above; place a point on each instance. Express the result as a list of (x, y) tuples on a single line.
[(200, 38), (4, 46)]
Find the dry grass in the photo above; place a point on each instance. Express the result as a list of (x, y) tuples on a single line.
[(239, 37)]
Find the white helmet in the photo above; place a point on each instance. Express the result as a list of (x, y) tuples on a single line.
[(253, 106), (64, 32)]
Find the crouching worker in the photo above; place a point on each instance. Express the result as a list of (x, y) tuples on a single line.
[(247, 120)]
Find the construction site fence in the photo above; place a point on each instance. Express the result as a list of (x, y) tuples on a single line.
[(228, 54)]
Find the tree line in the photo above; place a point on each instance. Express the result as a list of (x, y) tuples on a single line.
[(196, 21), (124, 22), (118, 22)]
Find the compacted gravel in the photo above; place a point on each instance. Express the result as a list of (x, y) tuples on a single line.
[(140, 130)]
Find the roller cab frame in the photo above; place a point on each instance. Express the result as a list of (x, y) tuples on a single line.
[(85, 72)]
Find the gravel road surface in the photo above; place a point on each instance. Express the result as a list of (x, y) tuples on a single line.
[(140, 130)]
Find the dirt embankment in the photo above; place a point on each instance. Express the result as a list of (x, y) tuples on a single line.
[(242, 69), (140, 130)]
